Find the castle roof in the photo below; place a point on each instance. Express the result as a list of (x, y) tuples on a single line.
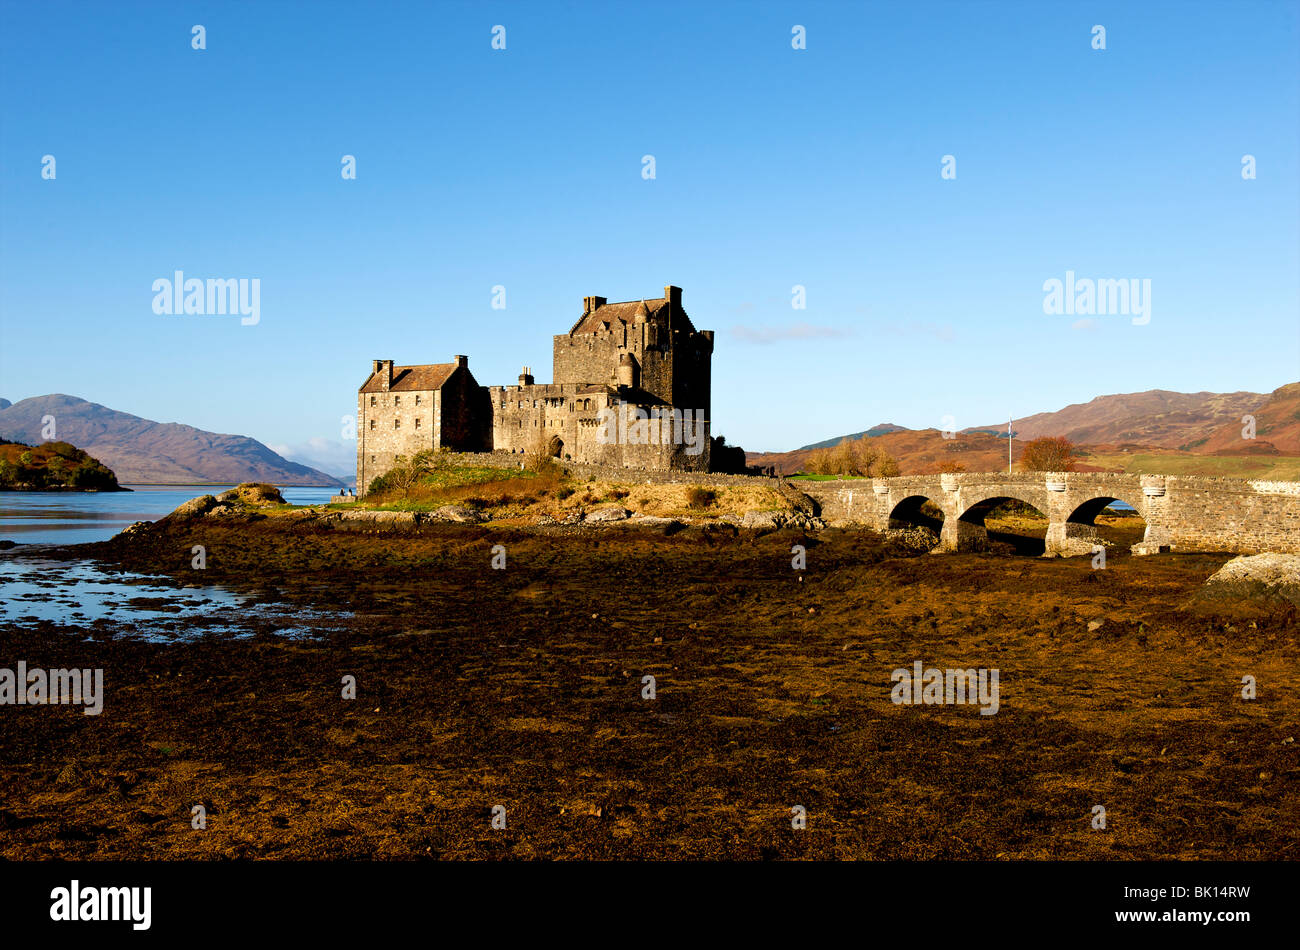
[(425, 378), (608, 316)]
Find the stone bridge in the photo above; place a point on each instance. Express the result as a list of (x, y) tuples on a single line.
[(1182, 513)]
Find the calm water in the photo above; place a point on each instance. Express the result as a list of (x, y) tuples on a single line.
[(85, 595), (78, 517)]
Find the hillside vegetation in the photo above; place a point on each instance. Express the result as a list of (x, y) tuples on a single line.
[(52, 465)]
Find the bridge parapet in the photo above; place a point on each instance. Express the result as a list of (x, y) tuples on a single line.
[(1182, 513)]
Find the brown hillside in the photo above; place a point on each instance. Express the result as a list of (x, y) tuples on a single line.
[(919, 452), (1277, 429), (1156, 418)]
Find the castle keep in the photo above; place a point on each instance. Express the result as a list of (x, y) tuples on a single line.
[(631, 388)]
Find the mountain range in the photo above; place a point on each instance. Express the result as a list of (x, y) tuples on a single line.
[(1152, 429), (141, 451)]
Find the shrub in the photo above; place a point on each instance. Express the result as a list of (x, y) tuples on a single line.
[(697, 496), (1054, 454)]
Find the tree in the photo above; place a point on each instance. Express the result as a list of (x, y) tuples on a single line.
[(1048, 454)]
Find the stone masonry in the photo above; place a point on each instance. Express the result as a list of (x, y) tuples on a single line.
[(631, 389), (1182, 513)]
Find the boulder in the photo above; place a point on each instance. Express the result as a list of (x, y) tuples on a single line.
[(256, 494), (460, 514), (380, 517), (1269, 577), (194, 508), (610, 513), (763, 519)]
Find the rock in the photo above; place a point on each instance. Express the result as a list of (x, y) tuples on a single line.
[(381, 517), (1268, 577), (661, 526), (135, 528), (573, 517), (611, 513), (257, 494), (224, 510), (6, 544), (1094, 625), (763, 519), (460, 514), (194, 508), (544, 520), (916, 539)]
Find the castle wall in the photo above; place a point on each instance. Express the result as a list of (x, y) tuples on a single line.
[(390, 424), (657, 359)]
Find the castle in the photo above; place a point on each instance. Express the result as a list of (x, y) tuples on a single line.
[(631, 389)]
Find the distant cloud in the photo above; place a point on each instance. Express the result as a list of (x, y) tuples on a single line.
[(797, 331), (940, 331), (1084, 324)]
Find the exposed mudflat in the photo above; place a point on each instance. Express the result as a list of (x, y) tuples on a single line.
[(523, 688)]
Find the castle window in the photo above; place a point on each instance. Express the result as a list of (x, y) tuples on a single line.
[(372, 400), (397, 423), (397, 400), (417, 422), (417, 399), (372, 424), (372, 459)]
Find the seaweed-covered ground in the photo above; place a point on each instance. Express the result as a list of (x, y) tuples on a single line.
[(523, 688)]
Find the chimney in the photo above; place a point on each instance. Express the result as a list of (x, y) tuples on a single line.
[(461, 361), (526, 377), (385, 370), (674, 296), (591, 303)]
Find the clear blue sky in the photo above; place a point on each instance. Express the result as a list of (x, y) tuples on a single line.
[(522, 167)]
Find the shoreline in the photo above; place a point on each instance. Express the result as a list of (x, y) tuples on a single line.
[(523, 687)]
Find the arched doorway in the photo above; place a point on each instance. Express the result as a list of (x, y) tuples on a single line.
[(555, 447)]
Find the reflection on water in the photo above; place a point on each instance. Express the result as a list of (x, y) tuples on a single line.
[(122, 604), (79, 517)]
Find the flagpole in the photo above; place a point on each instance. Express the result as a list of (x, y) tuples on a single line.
[(1008, 444)]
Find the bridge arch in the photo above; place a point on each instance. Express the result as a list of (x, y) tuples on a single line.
[(1080, 533), (917, 511), (972, 531)]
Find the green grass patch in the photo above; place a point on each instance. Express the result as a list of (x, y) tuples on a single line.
[(1268, 467)]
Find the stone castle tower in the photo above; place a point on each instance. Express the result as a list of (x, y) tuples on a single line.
[(631, 389)]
